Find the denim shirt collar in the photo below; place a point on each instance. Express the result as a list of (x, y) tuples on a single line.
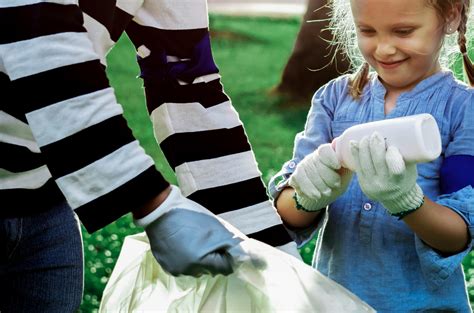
[(377, 89)]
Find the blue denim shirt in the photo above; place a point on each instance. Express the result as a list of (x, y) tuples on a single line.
[(375, 255)]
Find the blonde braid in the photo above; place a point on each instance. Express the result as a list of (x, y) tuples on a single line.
[(462, 42), (358, 81)]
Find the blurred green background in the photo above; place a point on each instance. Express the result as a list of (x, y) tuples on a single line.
[(251, 54)]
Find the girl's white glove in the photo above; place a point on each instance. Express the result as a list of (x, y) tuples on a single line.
[(384, 176), (317, 179)]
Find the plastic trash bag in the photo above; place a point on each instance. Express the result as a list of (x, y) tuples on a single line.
[(277, 282)]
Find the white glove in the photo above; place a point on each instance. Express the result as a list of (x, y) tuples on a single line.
[(319, 179), (384, 176), (187, 239)]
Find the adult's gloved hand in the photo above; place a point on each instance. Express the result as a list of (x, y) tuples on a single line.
[(384, 176), (187, 239), (319, 179)]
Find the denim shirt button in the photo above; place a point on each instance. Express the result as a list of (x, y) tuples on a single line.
[(292, 164), (367, 206)]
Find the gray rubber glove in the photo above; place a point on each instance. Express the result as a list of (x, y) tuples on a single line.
[(187, 239), (384, 176), (319, 179)]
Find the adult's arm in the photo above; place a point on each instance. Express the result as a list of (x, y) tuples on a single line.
[(63, 95), (194, 120)]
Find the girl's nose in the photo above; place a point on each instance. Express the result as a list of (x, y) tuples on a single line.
[(385, 48)]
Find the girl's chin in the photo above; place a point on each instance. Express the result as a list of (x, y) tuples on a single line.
[(396, 84)]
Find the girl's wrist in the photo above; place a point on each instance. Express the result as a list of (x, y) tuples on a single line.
[(402, 205), (403, 214), (305, 204)]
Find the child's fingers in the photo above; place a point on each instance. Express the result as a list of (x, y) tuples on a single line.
[(319, 182), (394, 160), (365, 157), (328, 156), (330, 177), (303, 184), (355, 154), (378, 151)]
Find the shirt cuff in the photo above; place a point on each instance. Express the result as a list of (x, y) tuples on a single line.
[(303, 235), (436, 267), (280, 180)]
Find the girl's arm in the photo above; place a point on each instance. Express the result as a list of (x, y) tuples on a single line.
[(439, 227), (286, 208), (317, 181), (384, 177)]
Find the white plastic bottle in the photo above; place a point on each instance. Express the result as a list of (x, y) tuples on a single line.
[(416, 136)]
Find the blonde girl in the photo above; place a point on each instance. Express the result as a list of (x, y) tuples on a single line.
[(393, 233)]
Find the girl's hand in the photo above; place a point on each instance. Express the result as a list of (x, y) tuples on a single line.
[(384, 176), (319, 179)]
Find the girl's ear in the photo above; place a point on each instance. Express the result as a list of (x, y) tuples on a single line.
[(453, 19)]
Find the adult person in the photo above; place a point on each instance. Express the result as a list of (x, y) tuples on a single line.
[(65, 145)]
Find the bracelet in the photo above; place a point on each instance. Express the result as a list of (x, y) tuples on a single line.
[(402, 214), (298, 205)]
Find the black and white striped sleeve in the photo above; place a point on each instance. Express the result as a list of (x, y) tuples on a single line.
[(194, 120), (61, 89)]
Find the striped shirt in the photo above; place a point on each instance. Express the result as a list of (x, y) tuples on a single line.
[(62, 132)]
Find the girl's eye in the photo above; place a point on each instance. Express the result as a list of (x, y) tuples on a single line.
[(366, 31), (404, 31)]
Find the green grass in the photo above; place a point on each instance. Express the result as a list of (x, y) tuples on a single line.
[(251, 54)]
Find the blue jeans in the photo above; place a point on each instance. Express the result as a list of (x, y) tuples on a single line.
[(41, 262)]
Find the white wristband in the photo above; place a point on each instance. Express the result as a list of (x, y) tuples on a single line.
[(164, 207)]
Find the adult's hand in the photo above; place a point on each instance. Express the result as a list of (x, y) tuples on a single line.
[(187, 239)]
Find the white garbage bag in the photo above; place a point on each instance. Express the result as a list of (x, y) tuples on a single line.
[(277, 283)]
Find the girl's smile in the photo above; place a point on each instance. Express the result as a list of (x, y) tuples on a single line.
[(390, 64)]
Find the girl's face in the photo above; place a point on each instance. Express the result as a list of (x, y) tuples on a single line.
[(400, 39)]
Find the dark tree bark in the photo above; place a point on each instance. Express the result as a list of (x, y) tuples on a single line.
[(309, 66)]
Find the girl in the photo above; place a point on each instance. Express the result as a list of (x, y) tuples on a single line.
[(393, 233)]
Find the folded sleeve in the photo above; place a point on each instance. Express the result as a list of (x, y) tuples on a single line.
[(436, 267), (457, 170)]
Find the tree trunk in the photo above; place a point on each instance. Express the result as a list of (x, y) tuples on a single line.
[(309, 66)]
